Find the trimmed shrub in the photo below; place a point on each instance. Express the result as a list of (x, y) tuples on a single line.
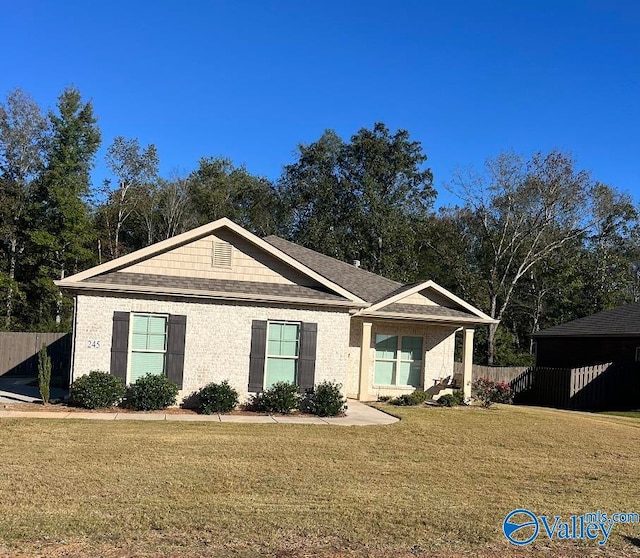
[(384, 398), (452, 399), (96, 390), (326, 400), (489, 392), (44, 374), (151, 393), (216, 398), (282, 397), (417, 397)]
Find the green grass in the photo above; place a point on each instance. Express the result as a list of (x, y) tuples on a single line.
[(440, 481)]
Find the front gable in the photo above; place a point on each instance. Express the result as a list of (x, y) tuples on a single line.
[(426, 301), (223, 255)]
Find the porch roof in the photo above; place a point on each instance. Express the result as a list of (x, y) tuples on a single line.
[(426, 313)]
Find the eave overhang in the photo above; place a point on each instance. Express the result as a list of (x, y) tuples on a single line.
[(88, 286)]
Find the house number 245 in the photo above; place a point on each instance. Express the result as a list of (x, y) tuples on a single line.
[(93, 344)]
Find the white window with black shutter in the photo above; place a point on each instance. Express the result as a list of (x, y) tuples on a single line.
[(148, 343), (282, 351), (281, 363)]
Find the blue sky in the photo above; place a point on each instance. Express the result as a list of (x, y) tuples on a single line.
[(251, 79)]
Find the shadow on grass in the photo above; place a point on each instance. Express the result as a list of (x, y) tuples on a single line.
[(627, 414), (635, 541)]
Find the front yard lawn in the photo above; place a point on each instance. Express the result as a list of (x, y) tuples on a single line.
[(440, 481)]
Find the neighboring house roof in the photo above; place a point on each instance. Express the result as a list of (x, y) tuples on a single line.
[(623, 321), (366, 285)]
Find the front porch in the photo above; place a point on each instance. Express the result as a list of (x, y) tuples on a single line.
[(393, 357)]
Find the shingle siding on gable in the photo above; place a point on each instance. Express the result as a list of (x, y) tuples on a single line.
[(417, 298), (218, 337), (195, 259)]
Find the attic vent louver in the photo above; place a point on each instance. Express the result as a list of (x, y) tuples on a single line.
[(221, 254)]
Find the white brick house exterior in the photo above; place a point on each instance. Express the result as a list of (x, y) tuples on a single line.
[(212, 300), (218, 337)]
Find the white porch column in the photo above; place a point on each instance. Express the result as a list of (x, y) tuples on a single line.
[(467, 361), (365, 359)]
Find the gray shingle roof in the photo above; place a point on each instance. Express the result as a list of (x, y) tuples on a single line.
[(364, 284), (425, 311), (623, 321), (217, 285)]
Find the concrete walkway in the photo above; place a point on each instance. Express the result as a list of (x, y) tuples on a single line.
[(358, 414)]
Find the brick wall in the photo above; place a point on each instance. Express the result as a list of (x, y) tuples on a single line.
[(218, 338)]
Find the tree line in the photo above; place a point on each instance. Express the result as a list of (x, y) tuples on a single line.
[(533, 241)]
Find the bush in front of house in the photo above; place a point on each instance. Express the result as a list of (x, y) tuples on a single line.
[(417, 397), (281, 397), (489, 392), (452, 399), (151, 393), (44, 374), (216, 398), (96, 390), (326, 400)]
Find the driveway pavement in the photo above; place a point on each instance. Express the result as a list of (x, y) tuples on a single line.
[(17, 390), (358, 414)]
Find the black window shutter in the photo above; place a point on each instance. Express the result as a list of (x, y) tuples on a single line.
[(120, 345), (307, 356), (257, 356), (175, 349)]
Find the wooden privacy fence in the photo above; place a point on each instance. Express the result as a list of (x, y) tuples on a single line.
[(548, 387), (19, 353), (614, 385), (495, 373)]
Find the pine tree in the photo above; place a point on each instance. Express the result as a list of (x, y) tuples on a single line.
[(61, 232)]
